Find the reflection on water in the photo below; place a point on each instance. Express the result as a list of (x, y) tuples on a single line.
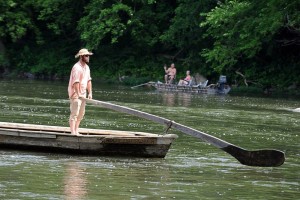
[(180, 99), (75, 181), (184, 99), (168, 99)]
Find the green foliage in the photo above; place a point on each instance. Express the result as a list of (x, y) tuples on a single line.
[(53, 63), (184, 33), (15, 20), (244, 35), (258, 39), (233, 38), (102, 21)]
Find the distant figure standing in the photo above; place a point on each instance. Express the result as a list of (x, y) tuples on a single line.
[(170, 73), (186, 80), (79, 83)]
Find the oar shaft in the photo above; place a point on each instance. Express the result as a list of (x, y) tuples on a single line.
[(198, 134), (208, 138), (263, 158)]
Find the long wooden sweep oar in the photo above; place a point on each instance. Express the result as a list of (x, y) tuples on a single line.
[(262, 158)]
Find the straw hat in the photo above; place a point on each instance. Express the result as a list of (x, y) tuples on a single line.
[(82, 52)]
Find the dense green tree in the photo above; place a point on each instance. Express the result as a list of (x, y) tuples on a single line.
[(184, 35), (38, 33), (249, 41), (126, 34), (15, 20), (248, 35)]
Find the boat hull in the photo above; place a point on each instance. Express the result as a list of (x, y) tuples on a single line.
[(211, 89), (89, 142)]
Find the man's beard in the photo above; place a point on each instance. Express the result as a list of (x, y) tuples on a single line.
[(85, 60)]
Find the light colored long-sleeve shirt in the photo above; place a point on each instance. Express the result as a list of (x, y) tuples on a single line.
[(79, 74)]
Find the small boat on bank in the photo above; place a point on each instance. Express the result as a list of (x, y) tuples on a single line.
[(197, 89), (90, 141)]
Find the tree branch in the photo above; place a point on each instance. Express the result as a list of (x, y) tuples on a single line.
[(243, 76)]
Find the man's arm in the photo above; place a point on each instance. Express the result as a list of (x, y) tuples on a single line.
[(166, 69), (89, 88), (76, 88)]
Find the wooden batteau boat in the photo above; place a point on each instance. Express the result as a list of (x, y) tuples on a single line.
[(90, 141)]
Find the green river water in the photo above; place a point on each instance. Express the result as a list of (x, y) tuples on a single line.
[(192, 168)]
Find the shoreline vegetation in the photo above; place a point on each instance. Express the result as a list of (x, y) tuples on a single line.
[(133, 40)]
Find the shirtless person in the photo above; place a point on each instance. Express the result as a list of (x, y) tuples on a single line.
[(186, 80), (79, 83), (170, 73)]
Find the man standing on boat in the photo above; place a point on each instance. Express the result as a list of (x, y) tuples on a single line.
[(79, 83), (170, 73)]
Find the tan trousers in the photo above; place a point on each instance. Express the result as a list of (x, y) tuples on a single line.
[(77, 108)]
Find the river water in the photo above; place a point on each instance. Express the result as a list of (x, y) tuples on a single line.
[(192, 168)]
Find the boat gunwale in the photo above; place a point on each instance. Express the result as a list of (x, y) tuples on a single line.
[(84, 132), (190, 89)]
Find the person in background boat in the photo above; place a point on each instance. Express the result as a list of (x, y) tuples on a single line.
[(170, 73), (186, 80), (79, 83)]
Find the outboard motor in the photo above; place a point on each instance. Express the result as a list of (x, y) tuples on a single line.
[(221, 83)]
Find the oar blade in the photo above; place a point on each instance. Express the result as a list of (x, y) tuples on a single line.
[(260, 158)]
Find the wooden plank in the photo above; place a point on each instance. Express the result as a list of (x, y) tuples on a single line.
[(53, 135), (11, 133), (38, 135), (114, 132), (118, 140), (24, 133), (60, 129), (35, 127)]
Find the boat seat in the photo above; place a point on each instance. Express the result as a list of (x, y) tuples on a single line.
[(201, 84), (191, 82)]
